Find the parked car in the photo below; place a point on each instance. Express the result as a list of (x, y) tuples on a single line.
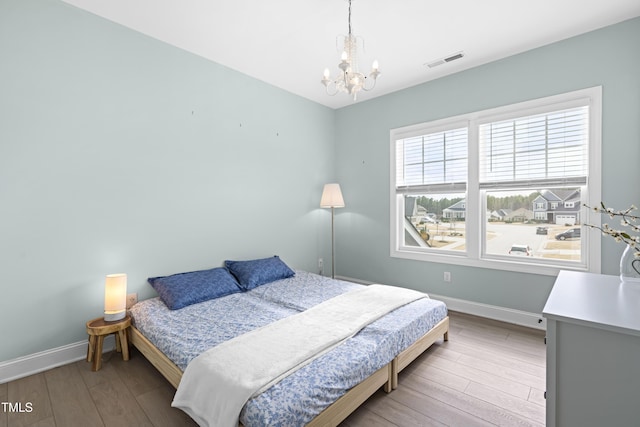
[(572, 233), (522, 250), (542, 230), (428, 219)]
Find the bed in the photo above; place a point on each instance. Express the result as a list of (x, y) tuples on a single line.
[(322, 392)]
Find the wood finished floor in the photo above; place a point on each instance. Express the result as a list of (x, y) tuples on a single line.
[(488, 373)]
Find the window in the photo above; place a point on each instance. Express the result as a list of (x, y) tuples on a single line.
[(432, 174), (469, 189)]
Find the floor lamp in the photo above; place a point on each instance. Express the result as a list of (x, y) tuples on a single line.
[(332, 198)]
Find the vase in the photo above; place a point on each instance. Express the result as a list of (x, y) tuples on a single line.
[(629, 266)]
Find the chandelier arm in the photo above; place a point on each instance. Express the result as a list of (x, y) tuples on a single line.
[(367, 89), (373, 76), (334, 92)]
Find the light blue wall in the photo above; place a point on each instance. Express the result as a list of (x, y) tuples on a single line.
[(609, 57), (119, 153)]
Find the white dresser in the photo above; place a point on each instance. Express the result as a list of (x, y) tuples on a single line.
[(593, 351)]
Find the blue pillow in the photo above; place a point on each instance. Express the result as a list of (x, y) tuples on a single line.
[(183, 289), (251, 274)]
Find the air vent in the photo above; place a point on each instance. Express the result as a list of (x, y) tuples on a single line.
[(454, 57), (445, 60), (436, 63)]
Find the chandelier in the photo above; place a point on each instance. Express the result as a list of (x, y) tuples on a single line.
[(349, 79)]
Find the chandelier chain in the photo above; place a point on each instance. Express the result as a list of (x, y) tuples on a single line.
[(349, 17)]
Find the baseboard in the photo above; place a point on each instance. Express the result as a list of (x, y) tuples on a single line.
[(508, 315), (503, 314), (48, 359)]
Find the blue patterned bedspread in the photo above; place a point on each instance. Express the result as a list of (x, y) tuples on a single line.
[(183, 334)]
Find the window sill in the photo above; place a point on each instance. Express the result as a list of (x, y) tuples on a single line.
[(530, 267)]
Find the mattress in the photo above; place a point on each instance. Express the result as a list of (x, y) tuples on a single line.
[(184, 334)]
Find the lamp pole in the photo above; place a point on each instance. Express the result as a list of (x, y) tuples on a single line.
[(333, 249), (332, 198)]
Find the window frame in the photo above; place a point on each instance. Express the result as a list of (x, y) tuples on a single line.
[(476, 220)]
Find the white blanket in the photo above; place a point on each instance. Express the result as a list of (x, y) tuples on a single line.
[(216, 385)]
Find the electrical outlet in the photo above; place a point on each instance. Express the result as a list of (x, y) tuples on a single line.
[(131, 300), (447, 276)]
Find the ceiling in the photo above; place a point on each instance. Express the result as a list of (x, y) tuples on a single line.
[(289, 43)]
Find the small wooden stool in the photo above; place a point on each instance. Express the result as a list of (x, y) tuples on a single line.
[(97, 330)]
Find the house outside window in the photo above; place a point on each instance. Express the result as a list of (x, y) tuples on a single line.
[(516, 176)]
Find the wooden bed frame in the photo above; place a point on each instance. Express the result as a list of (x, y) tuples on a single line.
[(386, 376)]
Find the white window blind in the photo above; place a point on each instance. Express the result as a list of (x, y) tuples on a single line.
[(432, 162), (545, 149)]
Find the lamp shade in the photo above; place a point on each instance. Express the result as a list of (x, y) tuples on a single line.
[(115, 297), (331, 196)]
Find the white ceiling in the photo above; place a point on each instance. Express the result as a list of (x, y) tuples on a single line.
[(289, 43)]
